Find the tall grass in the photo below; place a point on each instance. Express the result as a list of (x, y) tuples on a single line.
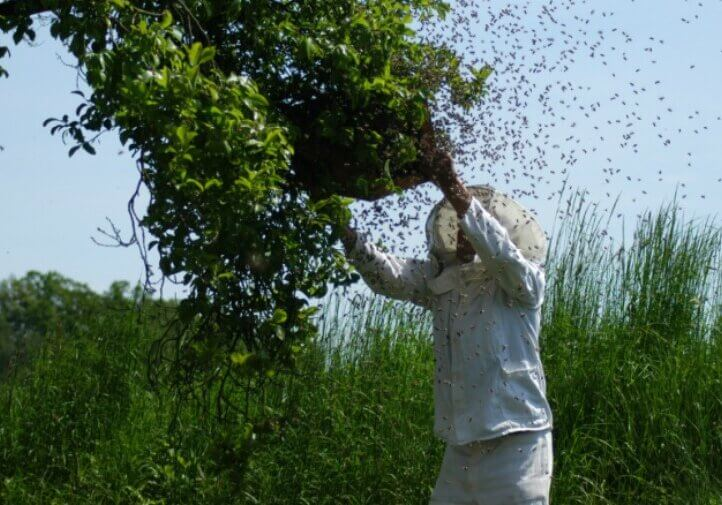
[(631, 345), (363, 431)]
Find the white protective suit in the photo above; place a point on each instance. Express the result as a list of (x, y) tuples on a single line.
[(489, 381)]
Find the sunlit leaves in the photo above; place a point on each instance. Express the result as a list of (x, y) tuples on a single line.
[(248, 119)]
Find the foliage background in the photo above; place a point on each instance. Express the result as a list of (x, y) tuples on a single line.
[(631, 347)]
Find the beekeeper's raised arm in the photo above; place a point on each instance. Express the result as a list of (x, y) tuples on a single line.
[(399, 278), (521, 279)]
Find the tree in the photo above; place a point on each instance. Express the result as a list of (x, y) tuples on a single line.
[(252, 123)]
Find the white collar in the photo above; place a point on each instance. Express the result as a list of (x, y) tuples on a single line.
[(456, 276)]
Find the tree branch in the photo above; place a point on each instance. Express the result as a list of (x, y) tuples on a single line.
[(11, 8)]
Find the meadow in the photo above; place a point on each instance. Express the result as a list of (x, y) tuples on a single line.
[(631, 345)]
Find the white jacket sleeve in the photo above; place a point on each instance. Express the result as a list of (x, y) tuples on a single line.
[(399, 278), (521, 279)]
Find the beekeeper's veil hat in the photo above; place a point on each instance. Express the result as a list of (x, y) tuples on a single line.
[(523, 228)]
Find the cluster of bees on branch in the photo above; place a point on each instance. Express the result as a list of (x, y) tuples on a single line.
[(540, 122)]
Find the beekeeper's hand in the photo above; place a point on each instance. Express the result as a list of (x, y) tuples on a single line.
[(438, 165), (450, 184), (349, 239)]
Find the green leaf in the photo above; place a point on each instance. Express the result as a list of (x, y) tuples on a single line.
[(280, 332), (194, 53), (194, 182), (310, 48), (483, 73), (225, 276), (163, 78), (207, 54), (184, 136), (176, 34), (279, 316), (192, 73), (212, 183), (18, 35), (361, 21), (240, 359), (166, 20)]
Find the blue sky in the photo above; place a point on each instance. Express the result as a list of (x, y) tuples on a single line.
[(51, 205)]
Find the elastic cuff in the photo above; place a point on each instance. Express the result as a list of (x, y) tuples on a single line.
[(358, 250)]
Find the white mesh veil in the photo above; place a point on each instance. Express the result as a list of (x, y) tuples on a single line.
[(523, 228)]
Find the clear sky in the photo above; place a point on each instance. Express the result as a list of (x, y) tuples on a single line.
[(51, 205)]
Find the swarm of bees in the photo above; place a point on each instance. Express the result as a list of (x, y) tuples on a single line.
[(512, 140)]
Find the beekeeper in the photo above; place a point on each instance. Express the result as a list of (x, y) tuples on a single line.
[(484, 283)]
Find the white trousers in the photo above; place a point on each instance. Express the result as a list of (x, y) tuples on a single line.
[(514, 469)]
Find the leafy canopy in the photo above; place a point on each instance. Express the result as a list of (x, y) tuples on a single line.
[(252, 123)]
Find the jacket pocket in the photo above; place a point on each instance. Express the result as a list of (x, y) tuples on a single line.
[(523, 396)]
